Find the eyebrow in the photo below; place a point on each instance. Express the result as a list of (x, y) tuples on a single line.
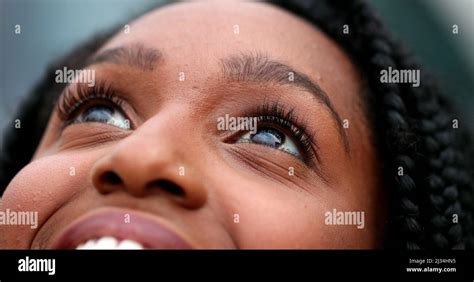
[(135, 55), (260, 69)]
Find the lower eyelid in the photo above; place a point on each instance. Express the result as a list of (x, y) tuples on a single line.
[(270, 148), (302, 168), (85, 136), (268, 167)]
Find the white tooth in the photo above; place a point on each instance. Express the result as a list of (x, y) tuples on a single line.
[(129, 245), (89, 245), (106, 243)]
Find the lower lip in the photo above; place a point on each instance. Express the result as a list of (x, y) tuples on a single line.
[(121, 224)]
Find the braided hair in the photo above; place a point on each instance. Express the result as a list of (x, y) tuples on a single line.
[(431, 199), (425, 159)]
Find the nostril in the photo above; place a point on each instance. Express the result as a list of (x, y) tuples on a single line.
[(167, 186), (111, 178)]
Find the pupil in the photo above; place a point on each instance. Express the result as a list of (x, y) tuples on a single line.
[(268, 137), (98, 113)]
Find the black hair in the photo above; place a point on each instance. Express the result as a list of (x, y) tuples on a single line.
[(431, 200)]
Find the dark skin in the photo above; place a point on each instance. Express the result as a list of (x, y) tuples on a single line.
[(173, 125)]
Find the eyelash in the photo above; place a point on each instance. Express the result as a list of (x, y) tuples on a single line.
[(275, 113), (72, 100)]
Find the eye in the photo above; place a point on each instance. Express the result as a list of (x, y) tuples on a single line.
[(102, 114), (273, 138)]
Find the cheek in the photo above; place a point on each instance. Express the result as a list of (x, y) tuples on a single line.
[(42, 186), (267, 214), (279, 220), (274, 216)]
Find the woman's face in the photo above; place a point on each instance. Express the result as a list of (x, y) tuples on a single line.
[(178, 76)]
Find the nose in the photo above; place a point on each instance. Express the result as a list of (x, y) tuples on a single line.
[(142, 165)]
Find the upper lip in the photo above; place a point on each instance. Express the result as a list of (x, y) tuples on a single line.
[(142, 228)]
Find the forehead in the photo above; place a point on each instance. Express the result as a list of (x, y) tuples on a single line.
[(195, 35), (200, 32)]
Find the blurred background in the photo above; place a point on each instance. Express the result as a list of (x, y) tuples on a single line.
[(49, 28)]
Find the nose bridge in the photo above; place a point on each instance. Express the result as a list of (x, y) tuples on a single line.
[(163, 136), (151, 144), (173, 123)]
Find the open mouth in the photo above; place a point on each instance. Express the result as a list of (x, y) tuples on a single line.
[(119, 229)]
